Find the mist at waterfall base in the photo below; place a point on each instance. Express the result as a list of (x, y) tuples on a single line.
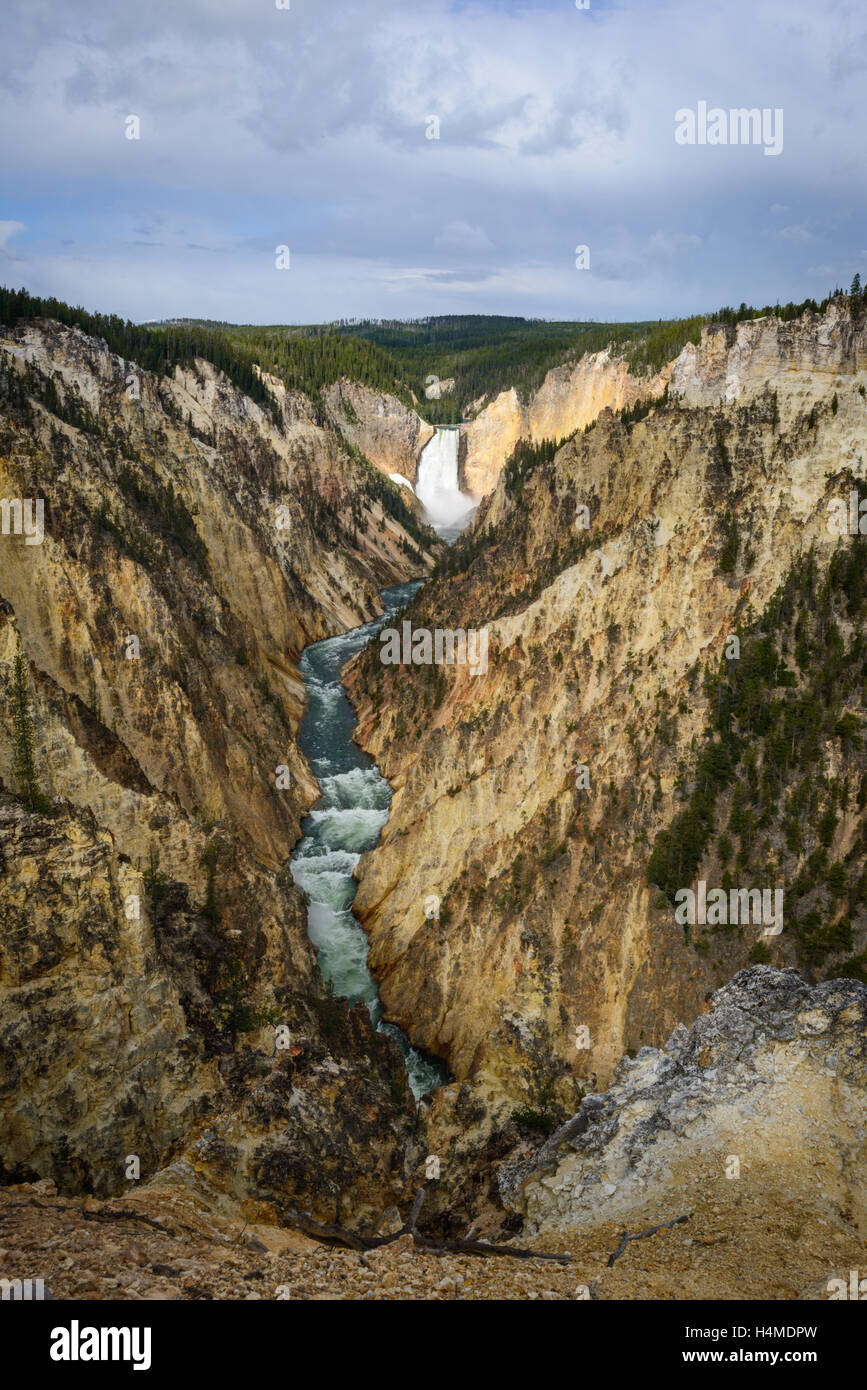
[(448, 509), (346, 820)]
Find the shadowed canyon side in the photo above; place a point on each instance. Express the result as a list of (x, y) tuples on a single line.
[(194, 544), (554, 803)]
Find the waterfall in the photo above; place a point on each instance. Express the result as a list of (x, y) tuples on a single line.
[(448, 509)]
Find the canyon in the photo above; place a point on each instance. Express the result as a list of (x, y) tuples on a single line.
[(160, 995), (147, 910), (394, 436)]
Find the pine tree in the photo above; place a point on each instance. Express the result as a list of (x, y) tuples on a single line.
[(22, 723)]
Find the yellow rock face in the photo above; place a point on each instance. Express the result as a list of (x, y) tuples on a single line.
[(568, 399), (548, 925), (191, 550)]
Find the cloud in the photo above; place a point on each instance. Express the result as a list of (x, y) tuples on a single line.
[(672, 243), (9, 229), (307, 127), (796, 233), (460, 236), (419, 277)]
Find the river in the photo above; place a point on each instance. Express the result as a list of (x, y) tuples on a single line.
[(346, 820)]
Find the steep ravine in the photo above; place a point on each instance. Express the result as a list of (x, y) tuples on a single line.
[(159, 991), (151, 939), (345, 821), (393, 436)]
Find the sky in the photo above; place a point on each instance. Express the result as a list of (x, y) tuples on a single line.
[(311, 127)]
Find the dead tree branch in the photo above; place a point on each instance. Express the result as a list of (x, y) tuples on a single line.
[(625, 1238), (330, 1234), (127, 1215)]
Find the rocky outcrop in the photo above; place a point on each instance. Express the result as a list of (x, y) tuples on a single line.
[(568, 399), (728, 364), (325, 1124), (767, 1090), (385, 430), (801, 359)]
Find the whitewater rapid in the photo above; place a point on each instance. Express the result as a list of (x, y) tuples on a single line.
[(345, 821)]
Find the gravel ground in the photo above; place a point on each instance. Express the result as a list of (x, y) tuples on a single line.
[(733, 1246)]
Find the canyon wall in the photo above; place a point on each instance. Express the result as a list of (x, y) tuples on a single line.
[(553, 954), (568, 399), (390, 434), (152, 941), (393, 436), (801, 358), (725, 366), (193, 545)]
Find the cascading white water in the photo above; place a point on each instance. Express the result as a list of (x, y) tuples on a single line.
[(344, 822), (448, 509)]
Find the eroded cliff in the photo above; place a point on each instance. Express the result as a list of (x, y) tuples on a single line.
[(193, 544), (389, 433), (553, 953), (568, 399), (764, 1094)]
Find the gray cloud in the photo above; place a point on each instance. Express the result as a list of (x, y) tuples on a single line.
[(307, 128)]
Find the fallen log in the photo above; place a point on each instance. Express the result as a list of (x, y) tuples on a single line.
[(330, 1234), (324, 1231), (106, 1214), (481, 1247)]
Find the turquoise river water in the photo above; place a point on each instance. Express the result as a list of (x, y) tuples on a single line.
[(346, 820)]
